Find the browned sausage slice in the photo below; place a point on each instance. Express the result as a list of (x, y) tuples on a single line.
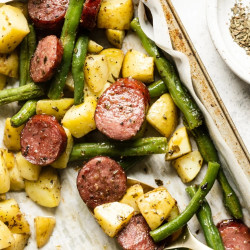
[(101, 180), (89, 14), (121, 110), (47, 14), (46, 59), (135, 236), (234, 234), (43, 140)]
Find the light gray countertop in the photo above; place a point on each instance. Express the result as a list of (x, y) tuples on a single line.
[(233, 91)]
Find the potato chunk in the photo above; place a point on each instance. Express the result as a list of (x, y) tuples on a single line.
[(155, 206), (115, 14), (13, 28), (44, 227), (46, 190), (113, 216), (139, 66), (62, 161), (4, 175), (6, 237), (11, 137), (132, 194), (96, 71), (188, 166), (178, 144), (79, 119), (114, 59), (89, 93), (11, 215), (9, 64), (115, 37), (57, 108), (20, 242), (21, 6), (94, 48), (28, 170)]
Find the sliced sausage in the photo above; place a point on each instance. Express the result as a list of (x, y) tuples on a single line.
[(234, 234), (135, 236), (89, 14), (101, 180), (121, 110), (43, 140), (47, 14), (46, 59)]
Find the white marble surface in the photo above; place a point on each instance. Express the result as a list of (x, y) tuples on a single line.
[(233, 91)]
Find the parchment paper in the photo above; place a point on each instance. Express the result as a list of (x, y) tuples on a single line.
[(76, 228)]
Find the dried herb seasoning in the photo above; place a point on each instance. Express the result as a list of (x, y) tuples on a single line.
[(240, 26)]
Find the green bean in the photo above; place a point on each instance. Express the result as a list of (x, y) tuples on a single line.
[(169, 75), (209, 153), (139, 147), (157, 89), (78, 60), (26, 92), (68, 36), (129, 162), (31, 48), (167, 229), (204, 215), (27, 49), (23, 115)]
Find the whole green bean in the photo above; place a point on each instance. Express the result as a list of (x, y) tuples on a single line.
[(27, 49), (157, 89), (26, 92), (78, 60), (204, 215), (169, 75), (139, 147), (167, 229), (68, 36), (23, 115), (31, 48), (209, 153)]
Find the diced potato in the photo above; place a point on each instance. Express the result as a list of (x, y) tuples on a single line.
[(163, 115), (11, 215), (79, 120), (139, 66), (4, 175), (6, 237), (94, 48), (114, 59), (88, 92), (44, 227), (188, 166), (115, 14), (155, 206), (11, 137), (9, 159), (178, 144), (3, 80), (62, 161), (27, 170), (115, 37), (16, 180), (20, 242), (46, 190), (57, 108), (13, 28), (9, 64), (96, 71), (21, 6), (113, 216), (132, 194)]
